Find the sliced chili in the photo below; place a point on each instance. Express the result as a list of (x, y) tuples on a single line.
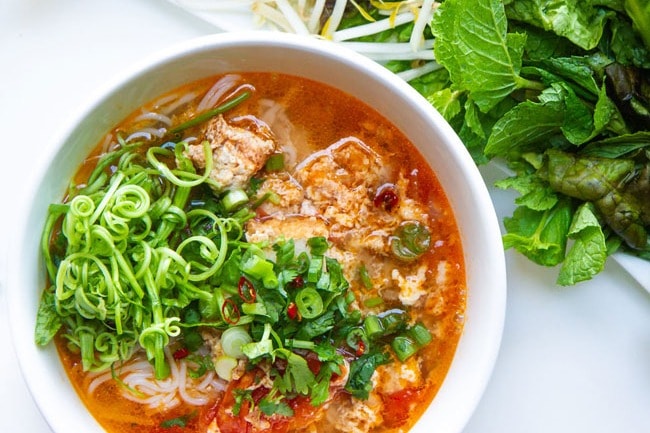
[(230, 312), (247, 291), (181, 353), (292, 311)]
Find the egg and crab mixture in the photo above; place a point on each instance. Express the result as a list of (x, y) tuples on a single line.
[(339, 173)]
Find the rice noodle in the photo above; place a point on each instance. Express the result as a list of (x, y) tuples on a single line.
[(107, 143), (147, 133), (154, 116), (218, 89), (168, 110), (274, 115), (142, 387)]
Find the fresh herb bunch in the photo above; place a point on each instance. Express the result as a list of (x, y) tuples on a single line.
[(557, 91)]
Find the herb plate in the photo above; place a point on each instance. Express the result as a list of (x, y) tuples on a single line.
[(235, 15)]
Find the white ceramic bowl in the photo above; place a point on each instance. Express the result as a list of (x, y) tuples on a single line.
[(318, 60)]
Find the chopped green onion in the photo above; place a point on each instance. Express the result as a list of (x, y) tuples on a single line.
[(394, 321), (234, 198), (410, 241), (224, 366), (373, 302), (309, 303), (255, 309), (275, 162), (258, 267), (232, 341), (299, 344), (373, 326), (318, 245), (404, 347), (365, 277), (420, 334)]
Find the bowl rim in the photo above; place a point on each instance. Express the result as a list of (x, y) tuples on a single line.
[(479, 373)]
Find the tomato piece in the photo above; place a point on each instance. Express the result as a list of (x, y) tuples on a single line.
[(226, 420), (303, 411), (398, 406)]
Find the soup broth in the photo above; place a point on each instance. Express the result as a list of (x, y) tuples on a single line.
[(331, 248)]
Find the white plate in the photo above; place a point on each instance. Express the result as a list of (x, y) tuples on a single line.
[(236, 15), (226, 15)]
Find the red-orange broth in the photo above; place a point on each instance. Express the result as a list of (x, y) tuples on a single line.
[(307, 117)]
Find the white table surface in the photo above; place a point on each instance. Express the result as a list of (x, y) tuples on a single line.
[(572, 360)]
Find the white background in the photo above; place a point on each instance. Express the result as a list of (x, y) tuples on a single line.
[(573, 359)]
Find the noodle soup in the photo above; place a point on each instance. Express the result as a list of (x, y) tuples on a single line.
[(254, 252)]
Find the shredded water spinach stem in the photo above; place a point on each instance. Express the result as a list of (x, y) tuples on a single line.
[(120, 274)]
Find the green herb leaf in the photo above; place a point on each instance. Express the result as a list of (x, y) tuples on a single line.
[(297, 376), (587, 256), (48, 322), (472, 42), (273, 407), (539, 235), (361, 370), (581, 22)]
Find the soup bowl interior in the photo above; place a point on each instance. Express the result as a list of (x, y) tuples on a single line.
[(317, 60)]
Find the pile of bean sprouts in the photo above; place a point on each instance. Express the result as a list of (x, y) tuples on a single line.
[(322, 19)]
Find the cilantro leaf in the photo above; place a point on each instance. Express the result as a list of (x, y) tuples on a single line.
[(297, 376), (274, 405)]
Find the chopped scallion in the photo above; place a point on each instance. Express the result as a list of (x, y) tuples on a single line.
[(373, 302), (275, 162), (224, 365), (234, 198), (365, 277), (420, 334), (404, 347), (372, 326), (233, 339)]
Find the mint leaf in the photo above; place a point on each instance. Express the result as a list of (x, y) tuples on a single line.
[(587, 256), (446, 102), (535, 193), (615, 147), (482, 58), (524, 126), (639, 12), (580, 22), (539, 235)]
